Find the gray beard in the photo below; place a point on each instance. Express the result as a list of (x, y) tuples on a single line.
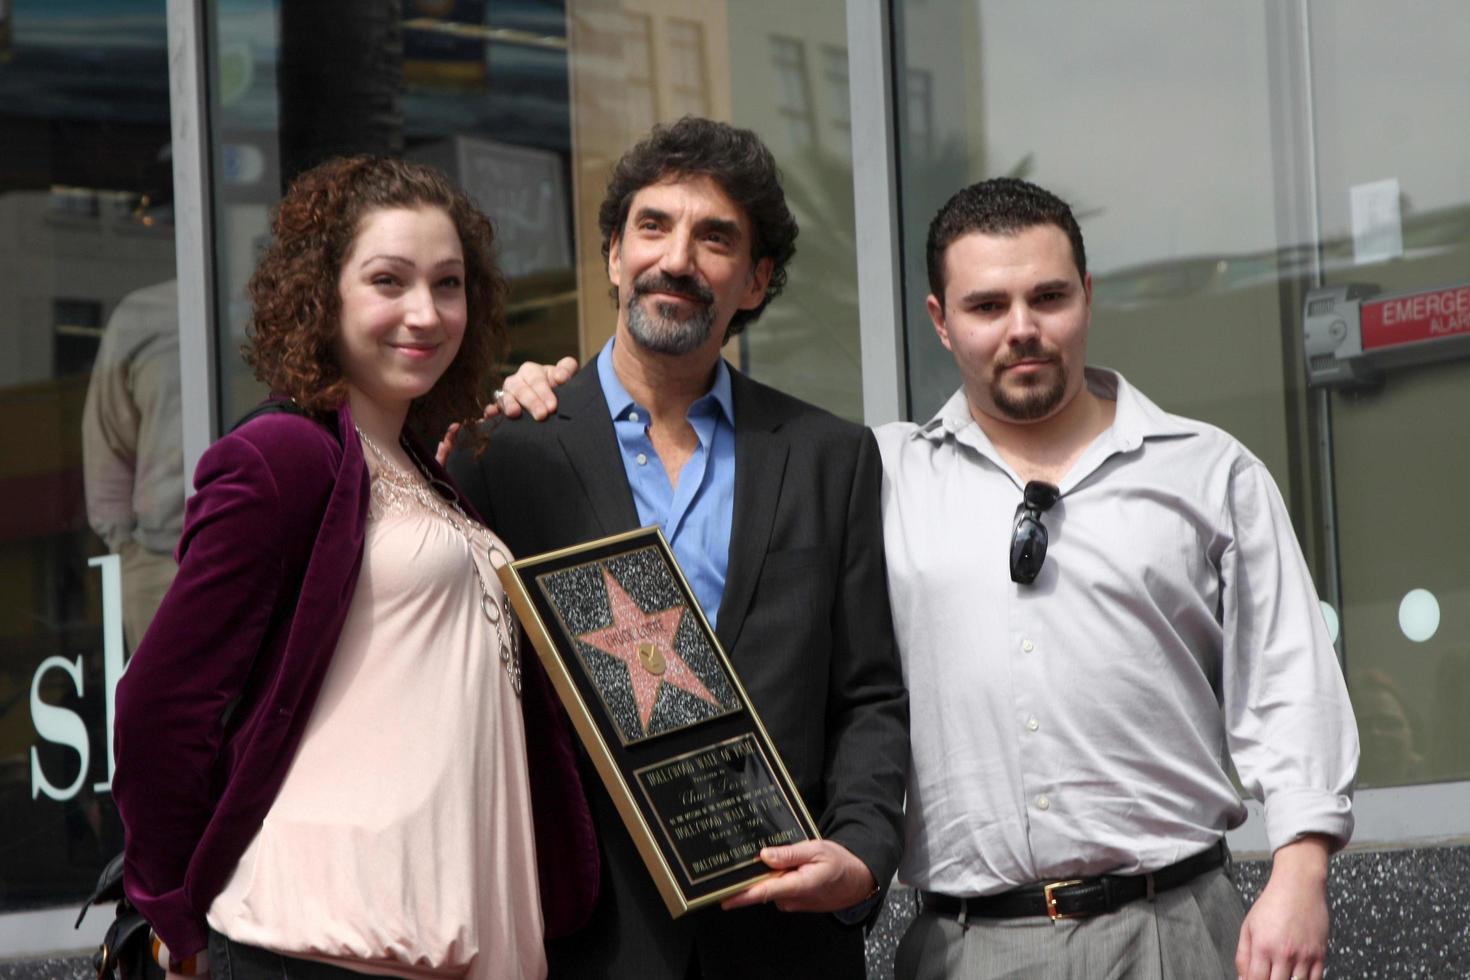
[(663, 333), (1033, 401)]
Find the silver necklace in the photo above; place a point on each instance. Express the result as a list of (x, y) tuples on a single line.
[(433, 495)]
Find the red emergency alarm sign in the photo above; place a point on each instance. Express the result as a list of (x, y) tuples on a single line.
[(1351, 333), (1414, 317)]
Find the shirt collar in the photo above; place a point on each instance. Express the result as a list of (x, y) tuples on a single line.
[(620, 403), (1137, 417)]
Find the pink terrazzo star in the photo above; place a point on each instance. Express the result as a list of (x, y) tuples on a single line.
[(645, 643)]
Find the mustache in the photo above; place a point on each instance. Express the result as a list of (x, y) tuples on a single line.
[(1031, 350), (685, 286)]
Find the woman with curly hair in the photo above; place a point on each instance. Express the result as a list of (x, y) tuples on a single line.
[(323, 739)]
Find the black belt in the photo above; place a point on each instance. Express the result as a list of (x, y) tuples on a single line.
[(1071, 898)]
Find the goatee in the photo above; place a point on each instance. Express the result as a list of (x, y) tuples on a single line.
[(662, 330), (1032, 397)]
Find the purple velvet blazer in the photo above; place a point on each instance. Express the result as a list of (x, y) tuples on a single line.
[(215, 700)]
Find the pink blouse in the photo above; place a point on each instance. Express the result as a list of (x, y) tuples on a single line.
[(401, 841)]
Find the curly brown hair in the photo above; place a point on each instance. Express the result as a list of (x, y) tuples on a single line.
[(297, 305)]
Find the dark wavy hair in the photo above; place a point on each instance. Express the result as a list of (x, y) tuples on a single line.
[(738, 161), (294, 291), (999, 206)]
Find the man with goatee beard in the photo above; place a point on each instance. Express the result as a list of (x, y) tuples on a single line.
[(771, 507), (1097, 603)]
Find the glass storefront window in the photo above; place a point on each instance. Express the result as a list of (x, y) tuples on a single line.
[(91, 481), (783, 86), (477, 89), (1174, 141), (527, 105), (1173, 192), (1395, 207)]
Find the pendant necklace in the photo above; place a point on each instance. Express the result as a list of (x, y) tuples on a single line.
[(433, 495)]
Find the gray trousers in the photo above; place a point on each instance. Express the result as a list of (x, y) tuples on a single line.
[(1186, 933)]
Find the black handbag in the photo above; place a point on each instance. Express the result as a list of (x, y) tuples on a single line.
[(125, 953)]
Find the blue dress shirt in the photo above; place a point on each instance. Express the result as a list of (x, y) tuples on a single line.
[(695, 516)]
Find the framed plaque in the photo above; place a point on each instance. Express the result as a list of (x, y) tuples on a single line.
[(661, 712)]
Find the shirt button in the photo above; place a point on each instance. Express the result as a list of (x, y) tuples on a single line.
[(642, 459), (1043, 803), (633, 416), (1032, 724), (1027, 645)]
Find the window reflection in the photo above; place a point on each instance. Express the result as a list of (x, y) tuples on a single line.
[(132, 448), (688, 83), (839, 97), (919, 85), (1395, 213), (641, 96), (476, 89), (528, 103), (90, 471), (1389, 732), (794, 97)]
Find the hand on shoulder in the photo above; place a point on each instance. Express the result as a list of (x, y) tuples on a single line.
[(532, 389)]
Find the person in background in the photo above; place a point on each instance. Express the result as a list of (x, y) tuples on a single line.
[(323, 740), (1392, 743), (132, 448)]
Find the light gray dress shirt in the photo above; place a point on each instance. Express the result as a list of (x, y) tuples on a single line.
[(1080, 725)]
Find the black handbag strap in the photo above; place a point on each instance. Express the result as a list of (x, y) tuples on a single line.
[(273, 405), (109, 887), (125, 952)]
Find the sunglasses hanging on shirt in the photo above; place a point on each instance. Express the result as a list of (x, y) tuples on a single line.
[(1028, 537)]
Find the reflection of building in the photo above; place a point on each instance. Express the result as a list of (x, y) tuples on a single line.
[(524, 192), (639, 62), (74, 247), (794, 89)]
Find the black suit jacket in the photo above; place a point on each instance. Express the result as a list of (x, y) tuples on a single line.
[(806, 622)]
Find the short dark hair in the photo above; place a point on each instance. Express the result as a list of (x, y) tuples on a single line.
[(999, 206), (734, 158), (296, 306)]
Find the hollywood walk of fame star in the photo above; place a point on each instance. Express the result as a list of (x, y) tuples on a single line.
[(645, 643)]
